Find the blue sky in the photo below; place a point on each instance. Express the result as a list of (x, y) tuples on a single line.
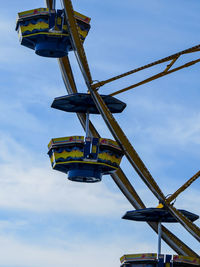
[(46, 220)]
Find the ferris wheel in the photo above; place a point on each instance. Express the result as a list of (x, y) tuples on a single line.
[(54, 33)]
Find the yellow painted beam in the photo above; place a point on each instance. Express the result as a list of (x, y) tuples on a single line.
[(183, 188), (171, 63), (157, 62), (154, 77), (76, 41), (49, 3)]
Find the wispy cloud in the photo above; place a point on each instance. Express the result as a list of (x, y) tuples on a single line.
[(83, 253), (25, 184)]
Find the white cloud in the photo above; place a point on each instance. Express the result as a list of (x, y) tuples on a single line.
[(189, 200), (39, 189), (165, 123), (15, 114), (16, 253), (8, 44), (178, 130), (26, 184)]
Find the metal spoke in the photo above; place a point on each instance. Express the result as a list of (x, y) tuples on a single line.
[(76, 41), (183, 187), (154, 77), (49, 3), (157, 62)]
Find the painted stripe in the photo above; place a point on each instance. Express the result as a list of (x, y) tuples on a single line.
[(39, 26), (46, 33), (94, 163)]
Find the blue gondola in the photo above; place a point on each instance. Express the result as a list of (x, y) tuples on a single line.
[(46, 32), (85, 160)]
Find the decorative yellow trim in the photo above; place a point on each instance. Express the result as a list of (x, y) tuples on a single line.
[(106, 156), (66, 140), (37, 11), (186, 259), (55, 156), (69, 138), (138, 257), (46, 33), (82, 33), (59, 21), (160, 206), (30, 27), (65, 154), (94, 149), (109, 142), (82, 17)]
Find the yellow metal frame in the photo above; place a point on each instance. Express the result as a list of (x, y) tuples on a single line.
[(119, 177), (173, 58), (76, 41), (183, 188)]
